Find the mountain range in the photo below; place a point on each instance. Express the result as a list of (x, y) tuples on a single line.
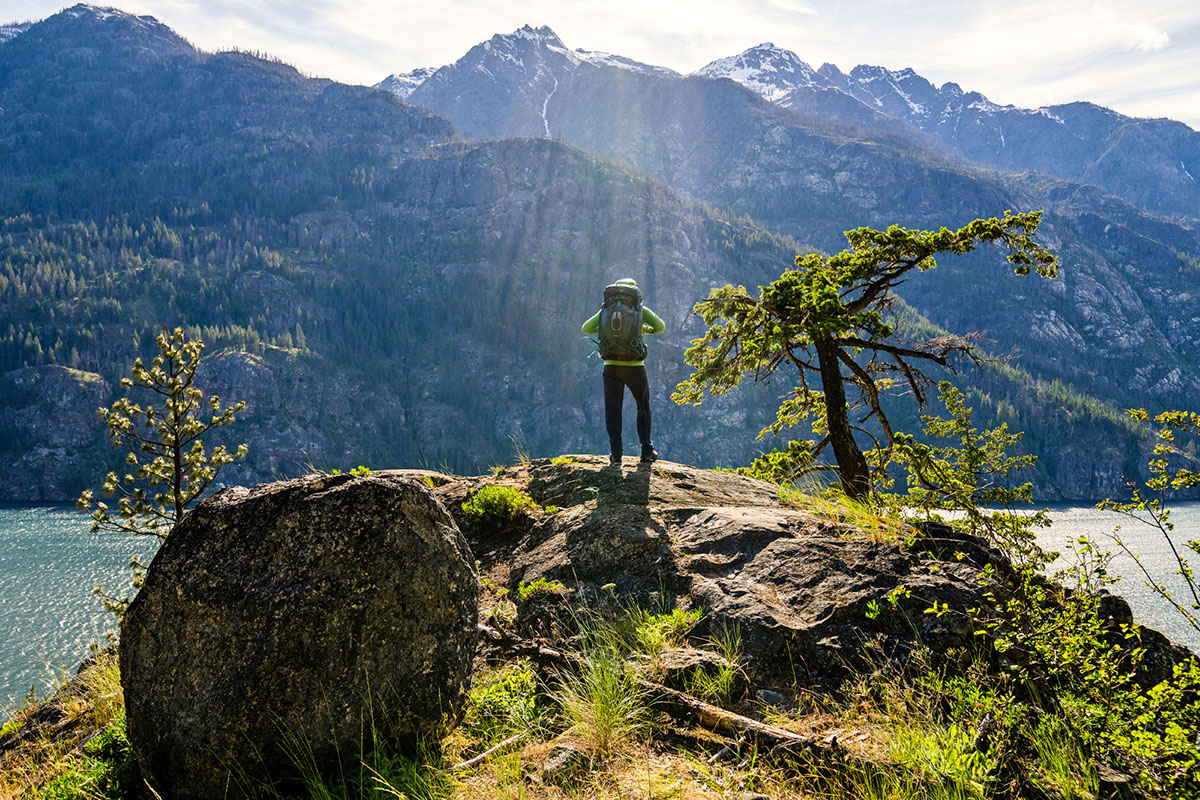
[(1149, 162), (396, 278)]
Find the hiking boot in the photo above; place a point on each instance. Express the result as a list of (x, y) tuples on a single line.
[(649, 454), (614, 460)]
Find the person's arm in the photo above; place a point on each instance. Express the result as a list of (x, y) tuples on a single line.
[(593, 324), (650, 321)]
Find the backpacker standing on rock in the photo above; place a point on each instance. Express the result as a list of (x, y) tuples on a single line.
[(621, 321)]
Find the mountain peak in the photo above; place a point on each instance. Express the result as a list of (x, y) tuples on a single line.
[(769, 70), (530, 32), (542, 36), (101, 27), (515, 46), (105, 13)]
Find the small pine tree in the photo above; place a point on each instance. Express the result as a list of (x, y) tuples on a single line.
[(169, 468)]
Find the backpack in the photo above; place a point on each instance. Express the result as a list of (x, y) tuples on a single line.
[(621, 324)]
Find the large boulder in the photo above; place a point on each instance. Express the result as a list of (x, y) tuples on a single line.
[(284, 622)]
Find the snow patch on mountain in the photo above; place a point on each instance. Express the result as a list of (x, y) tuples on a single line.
[(403, 84), (766, 69), (13, 30), (621, 62)]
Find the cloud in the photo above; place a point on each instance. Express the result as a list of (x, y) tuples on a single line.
[(792, 7), (1134, 34)]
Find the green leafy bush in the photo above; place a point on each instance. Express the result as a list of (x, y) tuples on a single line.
[(503, 701), (497, 506), (106, 768), (650, 633)]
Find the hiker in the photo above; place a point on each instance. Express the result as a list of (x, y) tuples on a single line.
[(621, 321)]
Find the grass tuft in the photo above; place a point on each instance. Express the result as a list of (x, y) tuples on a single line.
[(601, 704)]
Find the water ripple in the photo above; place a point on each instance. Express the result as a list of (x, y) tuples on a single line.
[(49, 564)]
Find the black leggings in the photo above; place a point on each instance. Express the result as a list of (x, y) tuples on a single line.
[(615, 380)]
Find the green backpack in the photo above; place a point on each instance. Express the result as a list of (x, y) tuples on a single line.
[(621, 324)]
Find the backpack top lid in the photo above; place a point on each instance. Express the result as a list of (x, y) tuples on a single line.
[(624, 289)]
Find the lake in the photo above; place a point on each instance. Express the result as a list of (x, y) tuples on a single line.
[(49, 563), (1073, 521)]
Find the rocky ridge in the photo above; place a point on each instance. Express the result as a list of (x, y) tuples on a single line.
[(1149, 162), (13, 30)]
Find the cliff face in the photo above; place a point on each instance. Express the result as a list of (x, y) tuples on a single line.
[(50, 433)]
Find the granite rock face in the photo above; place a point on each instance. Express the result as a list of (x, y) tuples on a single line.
[(305, 610), (797, 587), (815, 598)]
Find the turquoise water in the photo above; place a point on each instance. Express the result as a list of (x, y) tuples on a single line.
[(49, 563)]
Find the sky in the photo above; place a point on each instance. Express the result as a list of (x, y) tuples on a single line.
[(1138, 57)]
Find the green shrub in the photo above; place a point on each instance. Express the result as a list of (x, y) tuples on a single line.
[(106, 768), (497, 506), (532, 590), (359, 472), (502, 702), (650, 633)]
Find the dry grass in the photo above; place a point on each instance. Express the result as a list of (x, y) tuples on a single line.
[(47, 737), (854, 518), (644, 769)]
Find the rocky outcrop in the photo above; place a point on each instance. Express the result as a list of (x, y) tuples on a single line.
[(51, 437), (285, 622), (808, 595), (815, 599)]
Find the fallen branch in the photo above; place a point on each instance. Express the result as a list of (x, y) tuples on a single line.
[(470, 762), (684, 707)]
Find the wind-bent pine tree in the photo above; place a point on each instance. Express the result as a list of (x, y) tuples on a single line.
[(829, 319)]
